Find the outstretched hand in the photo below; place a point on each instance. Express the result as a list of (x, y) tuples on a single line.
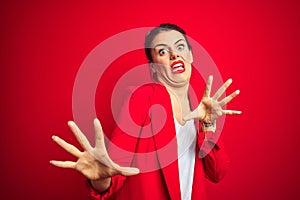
[(210, 108), (93, 162)]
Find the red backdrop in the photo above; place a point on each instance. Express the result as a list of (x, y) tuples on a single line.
[(254, 42)]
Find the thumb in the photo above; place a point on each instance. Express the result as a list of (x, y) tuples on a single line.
[(128, 171), (191, 115)]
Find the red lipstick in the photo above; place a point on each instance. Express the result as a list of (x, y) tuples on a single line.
[(178, 67)]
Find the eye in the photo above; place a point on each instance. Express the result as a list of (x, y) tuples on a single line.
[(180, 47), (162, 52)]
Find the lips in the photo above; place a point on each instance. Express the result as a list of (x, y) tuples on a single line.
[(177, 67)]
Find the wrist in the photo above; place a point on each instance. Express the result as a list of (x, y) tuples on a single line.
[(209, 126), (101, 185)]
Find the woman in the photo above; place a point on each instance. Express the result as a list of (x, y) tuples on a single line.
[(198, 152)]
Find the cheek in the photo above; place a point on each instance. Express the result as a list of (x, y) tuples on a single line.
[(160, 67), (187, 56), (157, 67), (161, 60)]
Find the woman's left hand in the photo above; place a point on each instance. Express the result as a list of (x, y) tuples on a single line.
[(210, 108)]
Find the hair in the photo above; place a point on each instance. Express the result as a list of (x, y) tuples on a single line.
[(162, 27)]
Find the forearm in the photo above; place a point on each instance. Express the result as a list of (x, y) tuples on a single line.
[(215, 164), (213, 154), (101, 185)]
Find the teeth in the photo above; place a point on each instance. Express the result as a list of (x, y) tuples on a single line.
[(177, 65), (177, 69)]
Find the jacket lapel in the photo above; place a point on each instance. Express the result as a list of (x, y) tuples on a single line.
[(166, 149), (164, 135)]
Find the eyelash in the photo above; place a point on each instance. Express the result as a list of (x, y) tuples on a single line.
[(162, 52), (180, 47)]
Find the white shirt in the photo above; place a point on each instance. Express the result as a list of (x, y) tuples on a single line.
[(186, 139)]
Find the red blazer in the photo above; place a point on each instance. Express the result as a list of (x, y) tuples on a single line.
[(152, 147)]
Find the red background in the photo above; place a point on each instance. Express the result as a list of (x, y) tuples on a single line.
[(254, 42)]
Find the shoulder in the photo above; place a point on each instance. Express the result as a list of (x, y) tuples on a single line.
[(143, 98), (148, 91)]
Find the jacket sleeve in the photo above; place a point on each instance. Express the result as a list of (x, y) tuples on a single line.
[(116, 183), (213, 154)]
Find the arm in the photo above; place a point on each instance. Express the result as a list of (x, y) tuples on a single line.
[(108, 186), (213, 154), (210, 142), (121, 146)]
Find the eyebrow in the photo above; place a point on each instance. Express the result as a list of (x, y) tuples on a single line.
[(167, 45)]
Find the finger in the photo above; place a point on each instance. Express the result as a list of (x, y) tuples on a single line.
[(222, 89), (66, 146), (208, 86), (191, 115), (101, 153), (128, 171), (232, 112), (98, 134), (229, 98), (80, 136), (63, 164)]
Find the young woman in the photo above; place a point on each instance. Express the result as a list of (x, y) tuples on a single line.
[(179, 166)]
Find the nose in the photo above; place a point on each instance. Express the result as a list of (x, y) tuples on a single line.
[(173, 55)]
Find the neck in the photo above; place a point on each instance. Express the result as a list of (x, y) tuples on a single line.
[(179, 101), (180, 92)]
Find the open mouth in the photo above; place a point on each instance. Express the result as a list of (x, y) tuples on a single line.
[(177, 67)]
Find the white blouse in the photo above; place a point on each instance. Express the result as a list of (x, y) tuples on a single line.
[(186, 139)]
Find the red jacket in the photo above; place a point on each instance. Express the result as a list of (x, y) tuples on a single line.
[(152, 147)]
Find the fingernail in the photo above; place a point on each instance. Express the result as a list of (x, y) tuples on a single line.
[(136, 170)]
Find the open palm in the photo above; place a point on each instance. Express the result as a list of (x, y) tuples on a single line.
[(94, 162), (210, 108)]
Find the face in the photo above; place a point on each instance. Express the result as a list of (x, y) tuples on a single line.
[(172, 59)]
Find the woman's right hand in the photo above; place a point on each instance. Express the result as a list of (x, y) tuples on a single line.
[(94, 162)]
